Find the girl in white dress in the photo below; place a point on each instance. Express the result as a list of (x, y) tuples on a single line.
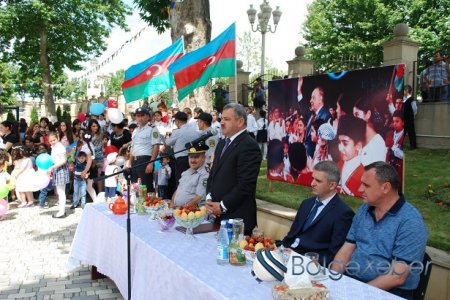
[(22, 167)]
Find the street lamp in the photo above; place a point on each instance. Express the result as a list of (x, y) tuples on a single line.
[(263, 25)]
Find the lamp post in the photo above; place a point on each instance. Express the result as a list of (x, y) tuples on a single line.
[(263, 25)]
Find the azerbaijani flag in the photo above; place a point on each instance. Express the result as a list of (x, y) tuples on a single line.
[(151, 76), (215, 59)]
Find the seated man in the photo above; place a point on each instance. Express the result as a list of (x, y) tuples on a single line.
[(192, 187), (386, 236), (322, 222)]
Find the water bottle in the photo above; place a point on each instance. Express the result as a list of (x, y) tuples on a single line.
[(230, 229), (222, 244)]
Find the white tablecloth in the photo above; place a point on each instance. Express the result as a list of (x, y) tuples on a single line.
[(164, 265)]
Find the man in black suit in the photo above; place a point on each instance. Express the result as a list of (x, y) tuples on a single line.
[(230, 192), (322, 222)]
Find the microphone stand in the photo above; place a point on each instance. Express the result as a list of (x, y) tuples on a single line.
[(127, 174)]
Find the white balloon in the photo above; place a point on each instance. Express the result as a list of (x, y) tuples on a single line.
[(32, 181), (115, 115)]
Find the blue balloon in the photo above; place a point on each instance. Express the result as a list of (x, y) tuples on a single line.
[(97, 109), (44, 161)]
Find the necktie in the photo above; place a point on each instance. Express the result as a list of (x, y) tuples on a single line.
[(227, 143), (312, 214)]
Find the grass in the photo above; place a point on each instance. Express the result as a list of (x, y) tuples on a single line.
[(423, 167)]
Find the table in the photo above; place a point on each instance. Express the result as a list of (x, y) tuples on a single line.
[(164, 265)]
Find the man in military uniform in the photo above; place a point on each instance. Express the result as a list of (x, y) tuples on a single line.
[(145, 147), (192, 187), (204, 121), (184, 134)]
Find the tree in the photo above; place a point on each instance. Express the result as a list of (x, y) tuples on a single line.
[(10, 116), (114, 84), (34, 115), (59, 114), (248, 53), (45, 37), (342, 34), (189, 19)]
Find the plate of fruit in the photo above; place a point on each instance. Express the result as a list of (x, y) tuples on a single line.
[(251, 244), (153, 203), (190, 217)]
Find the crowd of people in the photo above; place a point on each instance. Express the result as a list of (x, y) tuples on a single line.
[(222, 173)]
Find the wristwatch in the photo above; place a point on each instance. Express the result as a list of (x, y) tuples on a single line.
[(223, 210)]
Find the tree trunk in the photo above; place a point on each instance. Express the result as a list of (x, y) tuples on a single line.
[(46, 74), (191, 19)]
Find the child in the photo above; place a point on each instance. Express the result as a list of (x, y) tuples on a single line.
[(325, 135), (22, 166), (351, 134), (394, 143), (4, 176), (79, 183), (111, 182), (164, 174)]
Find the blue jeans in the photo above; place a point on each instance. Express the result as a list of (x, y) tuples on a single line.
[(79, 191), (43, 196)]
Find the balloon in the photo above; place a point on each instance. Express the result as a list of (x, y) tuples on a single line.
[(3, 207), (4, 191), (111, 149), (115, 115), (41, 180), (112, 103), (81, 117), (44, 161), (120, 161), (97, 109)]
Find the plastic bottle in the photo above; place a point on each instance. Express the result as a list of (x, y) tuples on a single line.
[(230, 229), (222, 244)]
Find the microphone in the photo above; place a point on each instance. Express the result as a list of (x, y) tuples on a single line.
[(199, 140)]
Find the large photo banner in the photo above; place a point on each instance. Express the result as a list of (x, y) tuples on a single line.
[(353, 118)]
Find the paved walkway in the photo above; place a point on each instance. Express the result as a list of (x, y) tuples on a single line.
[(34, 249)]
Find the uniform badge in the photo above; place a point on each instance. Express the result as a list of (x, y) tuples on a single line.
[(155, 134), (205, 182), (211, 143)]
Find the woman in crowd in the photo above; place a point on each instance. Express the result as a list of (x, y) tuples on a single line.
[(215, 121), (120, 137), (9, 137), (97, 140), (43, 131), (59, 171), (65, 133), (76, 127), (33, 133)]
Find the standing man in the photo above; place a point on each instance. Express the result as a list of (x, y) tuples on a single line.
[(409, 113), (386, 236), (322, 222), (232, 180), (145, 147), (184, 134), (436, 77), (318, 112), (204, 125)]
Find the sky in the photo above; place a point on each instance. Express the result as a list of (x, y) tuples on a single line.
[(280, 46)]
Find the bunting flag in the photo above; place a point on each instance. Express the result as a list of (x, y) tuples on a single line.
[(151, 76), (215, 59)]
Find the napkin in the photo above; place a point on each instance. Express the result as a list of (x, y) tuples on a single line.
[(297, 276)]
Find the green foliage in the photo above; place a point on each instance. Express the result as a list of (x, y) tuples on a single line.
[(114, 83), (34, 115), (347, 34), (155, 13), (66, 116), (58, 114), (248, 52), (10, 117)]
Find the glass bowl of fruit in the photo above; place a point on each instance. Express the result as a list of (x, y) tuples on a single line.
[(152, 204), (189, 218), (165, 219), (251, 244)]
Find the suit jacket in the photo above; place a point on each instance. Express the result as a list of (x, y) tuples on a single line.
[(327, 232), (233, 177), (322, 114)]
